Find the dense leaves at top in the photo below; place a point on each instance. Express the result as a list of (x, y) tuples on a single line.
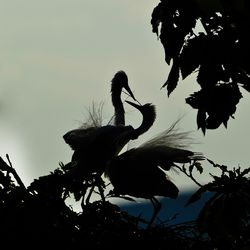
[(211, 38)]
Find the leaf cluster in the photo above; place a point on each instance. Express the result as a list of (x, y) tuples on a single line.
[(225, 216), (39, 214), (212, 42)]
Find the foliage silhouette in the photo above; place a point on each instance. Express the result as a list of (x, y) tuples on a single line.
[(225, 217), (38, 214), (219, 52)]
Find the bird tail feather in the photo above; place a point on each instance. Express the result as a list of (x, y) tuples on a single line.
[(171, 137)]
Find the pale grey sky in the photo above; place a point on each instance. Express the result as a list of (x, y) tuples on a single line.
[(56, 57)]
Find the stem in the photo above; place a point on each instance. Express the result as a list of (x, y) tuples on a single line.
[(14, 173), (190, 175)]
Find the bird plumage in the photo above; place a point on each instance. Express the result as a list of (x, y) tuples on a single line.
[(119, 81), (94, 145), (131, 174), (148, 118), (140, 172)]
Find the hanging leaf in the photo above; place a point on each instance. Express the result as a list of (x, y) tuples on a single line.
[(173, 77), (201, 120), (169, 39), (156, 18), (198, 167), (190, 57)]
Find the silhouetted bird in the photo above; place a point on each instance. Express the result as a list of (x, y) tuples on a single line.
[(95, 145), (119, 81), (139, 171)]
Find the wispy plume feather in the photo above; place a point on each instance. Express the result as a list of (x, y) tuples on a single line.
[(171, 137), (95, 116)]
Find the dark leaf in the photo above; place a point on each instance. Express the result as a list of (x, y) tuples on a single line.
[(169, 41), (214, 121), (195, 100), (160, 14), (191, 167), (245, 171), (215, 104), (173, 77), (201, 120), (3, 165), (211, 162), (198, 167), (197, 195), (156, 18), (190, 57), (225, 123), (206, 77)]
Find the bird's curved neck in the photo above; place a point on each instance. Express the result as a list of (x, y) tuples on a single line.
[(118, 106), (146, 124)]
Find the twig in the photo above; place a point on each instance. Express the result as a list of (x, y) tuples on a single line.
[(10, 169), (190, 175)]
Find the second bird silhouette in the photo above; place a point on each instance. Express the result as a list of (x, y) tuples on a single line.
[(139, 172)]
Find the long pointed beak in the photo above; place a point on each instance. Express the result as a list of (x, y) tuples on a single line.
[(130, 92), (137, 106)]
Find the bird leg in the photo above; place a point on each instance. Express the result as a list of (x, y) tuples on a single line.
[(157, 207)]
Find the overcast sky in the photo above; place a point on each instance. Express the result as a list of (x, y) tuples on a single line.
[(58, 56)]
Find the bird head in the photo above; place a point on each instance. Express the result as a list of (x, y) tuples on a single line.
[(149, 114), (120, 81)]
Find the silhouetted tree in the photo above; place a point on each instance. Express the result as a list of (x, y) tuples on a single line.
[(211, 38)]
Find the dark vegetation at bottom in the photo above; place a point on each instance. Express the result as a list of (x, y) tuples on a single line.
[(38, 216)]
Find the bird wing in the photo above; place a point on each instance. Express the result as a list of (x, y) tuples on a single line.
[(107, 140), (170, 145), (79, 138), (131, 173), (162, 156)]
